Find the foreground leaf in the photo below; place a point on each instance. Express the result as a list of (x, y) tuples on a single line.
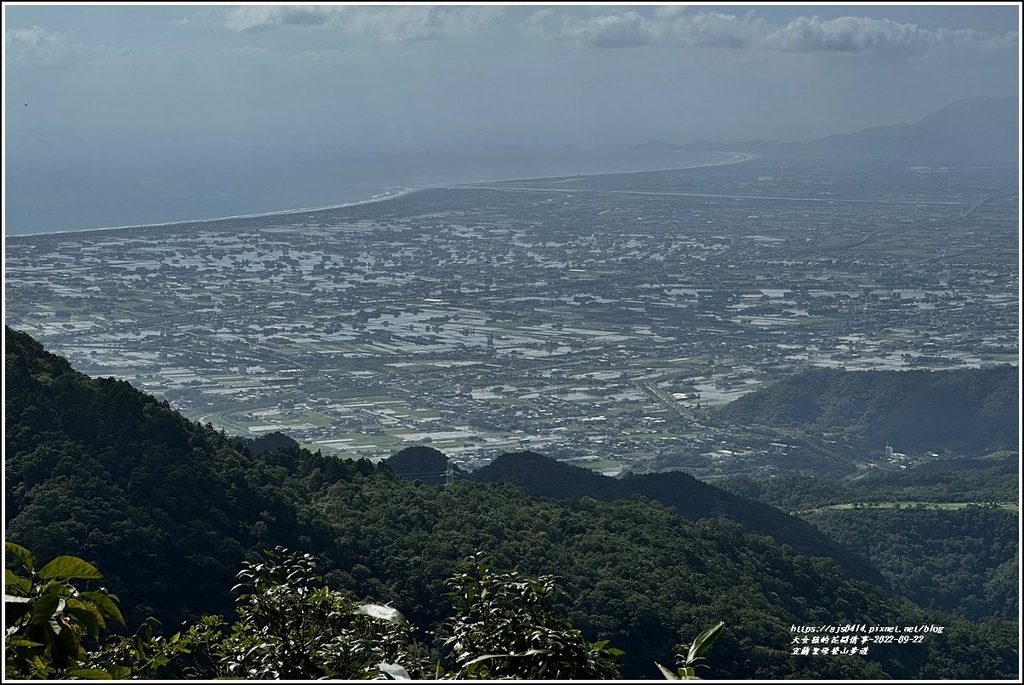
[(90, 673), (396, 671), (105, 603), (21, 554), (66, 566), (12, 581), (704, 641)]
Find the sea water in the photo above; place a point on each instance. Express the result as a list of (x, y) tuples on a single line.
[(77, 192)]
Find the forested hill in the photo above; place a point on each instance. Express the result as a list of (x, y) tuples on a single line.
[(422, 463), (167, 509), (952, 543), (963, 410), (688, 496)]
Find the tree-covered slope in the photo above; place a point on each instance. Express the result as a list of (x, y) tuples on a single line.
[(962, 561), (167, 509), (688, 496), (964, 410), (636, 573), (947, 546), (990, 478), (548, 477), (421, 463)]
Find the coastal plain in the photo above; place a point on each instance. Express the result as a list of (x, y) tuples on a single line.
[(596, 319)]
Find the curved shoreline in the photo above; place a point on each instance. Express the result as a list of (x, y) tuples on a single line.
[(735, 158)]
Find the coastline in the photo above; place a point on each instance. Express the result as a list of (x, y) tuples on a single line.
[(298, 210), (734, 158)]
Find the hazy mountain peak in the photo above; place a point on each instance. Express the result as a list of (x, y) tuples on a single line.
[(974, 128)]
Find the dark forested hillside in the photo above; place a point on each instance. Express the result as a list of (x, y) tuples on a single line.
[(421, 463), (167, 509), (688, 496), (264, 443), (962, 561), (964, 410), (544, 476), (948, 544), (990, 478)]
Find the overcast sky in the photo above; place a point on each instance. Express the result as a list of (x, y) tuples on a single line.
[(558, 74), (94, 88)]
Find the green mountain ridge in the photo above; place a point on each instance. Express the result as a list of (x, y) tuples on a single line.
[(167, 510), (689, 497), (960, 411)]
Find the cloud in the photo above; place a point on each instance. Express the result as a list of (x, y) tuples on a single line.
[(861, 35), (32, 37), (613, 31), (385, 23), (631, 29), (252, 18), (52, 50), (679, 27)]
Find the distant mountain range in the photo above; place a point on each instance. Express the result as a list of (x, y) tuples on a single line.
[(981, 128)]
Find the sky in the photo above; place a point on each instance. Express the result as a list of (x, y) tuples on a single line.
[(89, 86)]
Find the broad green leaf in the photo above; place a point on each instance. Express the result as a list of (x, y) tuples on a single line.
[(41, 667), (704, 641), (87, 614), (66, 566), (90, 674), (22, 555), (382, 612), (396, 671), (119, 672), (47, 606), (105, 603), (61, 588), (21, 642), (12, 581)]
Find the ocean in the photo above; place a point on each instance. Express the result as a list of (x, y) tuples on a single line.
[(50, 195)]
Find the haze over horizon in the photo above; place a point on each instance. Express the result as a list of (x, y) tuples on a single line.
[(105, 102)]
